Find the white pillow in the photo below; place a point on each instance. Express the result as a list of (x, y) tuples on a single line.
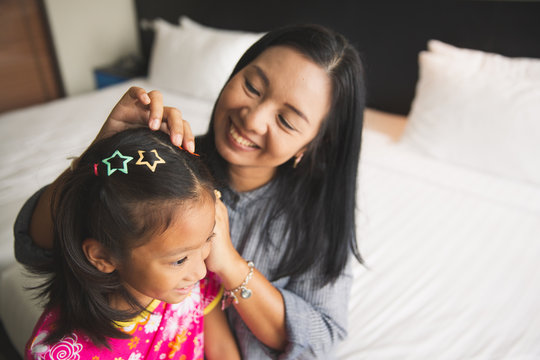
[(478, 109), (194, 59)]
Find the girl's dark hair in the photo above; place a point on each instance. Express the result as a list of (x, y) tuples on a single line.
[(318, 196), (121, 211)]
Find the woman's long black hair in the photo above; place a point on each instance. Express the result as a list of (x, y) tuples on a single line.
[(318, 197), (119, 210)]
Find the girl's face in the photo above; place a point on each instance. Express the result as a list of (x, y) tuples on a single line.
[(270, 110), (169, 265)]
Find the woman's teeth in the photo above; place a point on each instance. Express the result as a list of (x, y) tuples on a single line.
[(240, 139)]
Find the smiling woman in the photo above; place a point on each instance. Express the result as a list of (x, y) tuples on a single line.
[(284, 142), (268, 113)]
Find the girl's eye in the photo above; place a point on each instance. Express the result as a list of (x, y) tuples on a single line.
[(180, 262), (284, 122), (251, 88)]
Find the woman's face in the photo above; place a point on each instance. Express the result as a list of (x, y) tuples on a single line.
[(270, 110)]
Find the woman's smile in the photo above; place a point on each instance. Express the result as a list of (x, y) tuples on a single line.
[(239, 140)]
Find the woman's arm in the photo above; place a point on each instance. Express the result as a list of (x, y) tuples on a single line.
[(264, 311), (299, 318), (136, 108), (219, 342)]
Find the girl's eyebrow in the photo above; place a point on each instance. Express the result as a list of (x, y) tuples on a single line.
[(182, 250), (266, 82)]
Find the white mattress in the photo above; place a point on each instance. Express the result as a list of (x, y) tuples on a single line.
[(451, 254), (452, 261)]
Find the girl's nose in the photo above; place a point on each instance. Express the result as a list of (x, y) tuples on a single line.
[(198, 271)]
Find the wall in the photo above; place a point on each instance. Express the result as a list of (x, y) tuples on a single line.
[(90, 34)]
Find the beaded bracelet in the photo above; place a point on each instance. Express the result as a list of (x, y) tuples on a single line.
[(229, 296)]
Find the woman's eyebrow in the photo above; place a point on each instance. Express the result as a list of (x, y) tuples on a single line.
[(261, 73), (298, 112), (264, 78)]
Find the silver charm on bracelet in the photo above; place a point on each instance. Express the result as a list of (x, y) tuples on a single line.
[(229, 296)]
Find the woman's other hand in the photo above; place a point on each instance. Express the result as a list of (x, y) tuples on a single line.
[(223, 253), (139, 108)]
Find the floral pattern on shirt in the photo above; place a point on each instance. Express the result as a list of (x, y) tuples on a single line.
[(170, 331)]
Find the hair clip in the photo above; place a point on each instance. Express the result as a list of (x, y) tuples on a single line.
[(111, 169), (96, 169), (192, 153), (155, 162)]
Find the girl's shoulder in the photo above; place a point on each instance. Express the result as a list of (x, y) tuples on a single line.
[(211, 292), (71, 345)]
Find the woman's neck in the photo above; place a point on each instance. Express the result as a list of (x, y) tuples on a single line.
[(244, 178)]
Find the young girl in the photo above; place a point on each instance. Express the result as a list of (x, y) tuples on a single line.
[(133, 226)]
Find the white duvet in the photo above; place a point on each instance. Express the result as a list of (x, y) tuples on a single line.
[(452, 255)]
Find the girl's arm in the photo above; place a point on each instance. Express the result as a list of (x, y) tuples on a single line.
[(219, 342), (136, 108)]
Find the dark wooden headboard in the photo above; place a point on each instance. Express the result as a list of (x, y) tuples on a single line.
[(388, 35)]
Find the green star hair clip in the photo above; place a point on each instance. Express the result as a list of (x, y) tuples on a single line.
[(110, 167)]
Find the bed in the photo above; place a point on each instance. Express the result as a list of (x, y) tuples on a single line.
[(448, 216)]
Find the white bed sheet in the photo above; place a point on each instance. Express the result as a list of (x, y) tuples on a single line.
[(451, 254), (452, 261)]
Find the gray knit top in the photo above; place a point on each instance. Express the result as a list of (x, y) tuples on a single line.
[(316, 317)]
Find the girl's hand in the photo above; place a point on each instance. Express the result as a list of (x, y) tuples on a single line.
[(223, 253), (138, 108)]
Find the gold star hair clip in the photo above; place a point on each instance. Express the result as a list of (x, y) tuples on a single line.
[(156, 161)]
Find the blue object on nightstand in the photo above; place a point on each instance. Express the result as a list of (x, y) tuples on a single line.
[(124, 69), (104, 78)]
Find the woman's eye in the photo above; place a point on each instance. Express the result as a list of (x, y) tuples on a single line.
[(284, 122), (251, 89), (180, 262)]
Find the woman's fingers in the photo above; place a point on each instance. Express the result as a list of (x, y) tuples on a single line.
[(156, 109), (222, 249), (137, 107), (137, 93), (178, 129), (189, 140), (174, 120)]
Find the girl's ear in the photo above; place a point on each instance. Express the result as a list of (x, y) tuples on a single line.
[(98, 256)]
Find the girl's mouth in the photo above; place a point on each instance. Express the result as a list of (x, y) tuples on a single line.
[(185, 290)]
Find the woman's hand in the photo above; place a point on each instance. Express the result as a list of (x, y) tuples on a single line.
[(223, 253), (138, 108)]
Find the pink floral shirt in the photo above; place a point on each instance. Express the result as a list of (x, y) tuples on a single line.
[(167, 332)]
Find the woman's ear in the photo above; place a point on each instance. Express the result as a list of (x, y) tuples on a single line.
[(98, 256)]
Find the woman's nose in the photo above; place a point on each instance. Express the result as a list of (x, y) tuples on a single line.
[(256, 118)]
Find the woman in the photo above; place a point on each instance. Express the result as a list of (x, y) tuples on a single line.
[(284, 142)]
